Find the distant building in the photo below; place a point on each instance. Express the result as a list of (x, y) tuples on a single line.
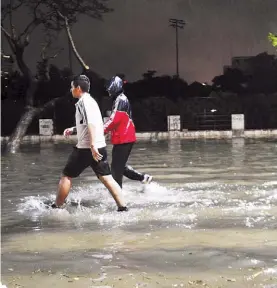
[(242, 63), (247, 64)]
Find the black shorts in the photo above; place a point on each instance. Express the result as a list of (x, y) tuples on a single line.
[(80, 159)]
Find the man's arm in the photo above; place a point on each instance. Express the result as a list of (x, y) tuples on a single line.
[(90, 121), (91, 132), (70, 131)]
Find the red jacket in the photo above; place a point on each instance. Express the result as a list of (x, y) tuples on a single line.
[(120, 124)]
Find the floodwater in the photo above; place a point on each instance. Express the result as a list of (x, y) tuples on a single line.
[(208, 219)]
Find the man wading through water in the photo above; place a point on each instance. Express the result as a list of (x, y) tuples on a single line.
[(91, 147), (123, 134)]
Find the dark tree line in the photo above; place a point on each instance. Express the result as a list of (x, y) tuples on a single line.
[(152, 97)]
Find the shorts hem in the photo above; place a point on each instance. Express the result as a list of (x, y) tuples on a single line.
[(64, 174)]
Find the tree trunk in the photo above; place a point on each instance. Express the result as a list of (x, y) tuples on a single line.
[(25, 121), (28, 116), (18, 47), (20, 129)]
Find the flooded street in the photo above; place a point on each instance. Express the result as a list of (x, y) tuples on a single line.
[(208, 219)]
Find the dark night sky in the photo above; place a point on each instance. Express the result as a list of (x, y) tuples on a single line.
[(136, 37)]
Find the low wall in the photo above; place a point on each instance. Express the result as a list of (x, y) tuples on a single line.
[(154, 136)]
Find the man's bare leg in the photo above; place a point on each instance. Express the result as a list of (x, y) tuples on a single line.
[(63, 190), (114, 189), (108, 181)]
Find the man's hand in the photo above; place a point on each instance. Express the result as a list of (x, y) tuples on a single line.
[(68, 131), (95, 153)]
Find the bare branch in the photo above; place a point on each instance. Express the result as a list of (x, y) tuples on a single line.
[(60, 14), (37, 20), (16, 7), (6, 33), (35, 9), (46, 45), (13, 32), (34, 23), (42, 53), (6, 10), (43, 66), (79, 58), (26, 40), (57, 54), (9, 38), (51, 103), (30, 27), (18, 50), (74, 47)]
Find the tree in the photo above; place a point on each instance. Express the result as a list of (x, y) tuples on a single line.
[(52, 16), (273, 39), (43, 66), (232, 80), (264, 73), (149, 74)]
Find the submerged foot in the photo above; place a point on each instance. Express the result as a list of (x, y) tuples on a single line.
[(54, 205), (121, 209)]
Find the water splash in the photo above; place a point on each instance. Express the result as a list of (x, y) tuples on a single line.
[(186, 206)]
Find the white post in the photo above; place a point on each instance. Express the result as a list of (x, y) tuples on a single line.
[(46, 127), (238, 125), (173, 125)]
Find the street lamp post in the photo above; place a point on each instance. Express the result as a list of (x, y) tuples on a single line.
[(177, 24)]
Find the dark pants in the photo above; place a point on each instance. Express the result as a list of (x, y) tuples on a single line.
[(119, 167)]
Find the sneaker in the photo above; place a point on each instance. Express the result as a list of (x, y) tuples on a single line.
[(121, 209), (147, 179)]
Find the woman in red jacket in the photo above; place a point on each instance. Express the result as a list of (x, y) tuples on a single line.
[(123, 134)]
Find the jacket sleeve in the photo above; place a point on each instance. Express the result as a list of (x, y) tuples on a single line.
[(114, 119)]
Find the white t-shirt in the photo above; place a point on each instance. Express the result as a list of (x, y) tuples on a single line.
[(88, 112)]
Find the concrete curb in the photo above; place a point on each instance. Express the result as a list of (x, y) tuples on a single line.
[(155, 136)]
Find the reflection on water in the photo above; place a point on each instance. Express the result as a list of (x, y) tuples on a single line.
[(210, 186)]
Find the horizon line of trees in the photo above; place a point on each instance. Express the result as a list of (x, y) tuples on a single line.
[(261, 79), (149, 114)]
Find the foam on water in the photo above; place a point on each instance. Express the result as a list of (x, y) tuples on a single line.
[(184, 206), (153, 202)]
